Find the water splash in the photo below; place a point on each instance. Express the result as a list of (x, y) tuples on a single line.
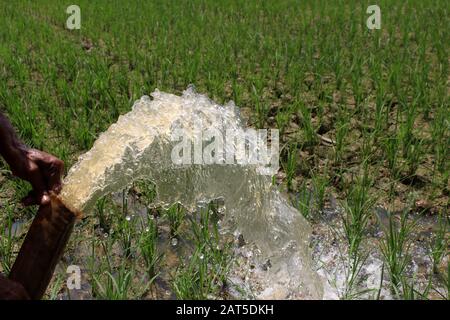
[(139, 146)]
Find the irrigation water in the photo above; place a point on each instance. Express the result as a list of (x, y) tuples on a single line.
[(140, 146)]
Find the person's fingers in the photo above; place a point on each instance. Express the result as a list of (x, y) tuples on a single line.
[(30, 199), (37, 181), (54, 174), (51, 168)]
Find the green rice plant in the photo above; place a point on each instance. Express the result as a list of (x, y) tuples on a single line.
[(7, 239), (304, 201), (395, 249), (440, 138), (175, 214), (205, 273), (381, 110), (320, 184), (201, 224), (125, 227), (192, 280), (114, 286), (341, 134), (282, 119), (55, 287), (338, 69), (290, 166), (261, 107), (353, 272), (357, 212), (381, 282), (307, 125), (410, 292), (406, 130), (414, 156), (391, 150), (218, 251), (447, 281), (146, 191), (439, 245), (101, 214), (148, 242), (110, 281), (356, 76)]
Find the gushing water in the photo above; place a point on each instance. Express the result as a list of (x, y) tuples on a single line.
[(139, 146)]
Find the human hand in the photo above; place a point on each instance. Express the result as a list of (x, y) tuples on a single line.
[(11, 290), (42, 170)]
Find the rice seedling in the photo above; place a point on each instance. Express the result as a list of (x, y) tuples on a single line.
[(439, 245), (7, 240), (112, 279), (55, 287), (357, 208), (282, 120), (354, 266), (304, 201), (192, 280), (395, 249), (391, 147), (148, 246), (146, 191), (410, 292), (319, 184), (125, 227), (175, 214), (114, 286), (101, 214), (309, 131), (205, 273), (291, 164), (341, 134)]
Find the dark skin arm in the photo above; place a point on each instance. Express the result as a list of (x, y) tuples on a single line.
[(41, 169)]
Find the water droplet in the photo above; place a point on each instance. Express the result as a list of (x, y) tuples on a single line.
[(174, 242), (202, 257), (128, 218), (147, 229)]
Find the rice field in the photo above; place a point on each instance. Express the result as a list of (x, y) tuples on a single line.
[(363, 116)]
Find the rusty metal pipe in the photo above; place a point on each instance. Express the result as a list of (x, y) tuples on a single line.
[(43, 247)]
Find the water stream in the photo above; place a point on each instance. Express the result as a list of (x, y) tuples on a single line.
[(140, 145)]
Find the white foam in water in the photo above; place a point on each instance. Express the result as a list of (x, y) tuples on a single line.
[(139, 146)]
